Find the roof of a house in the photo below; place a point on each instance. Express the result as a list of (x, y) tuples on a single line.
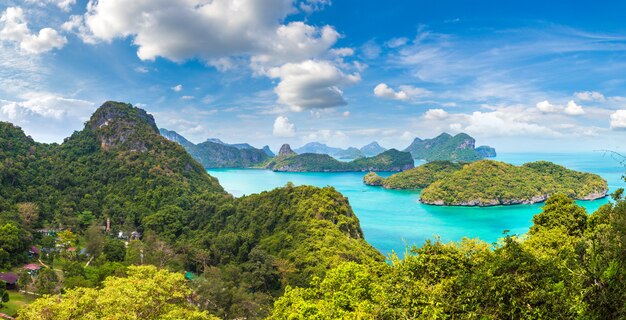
[(32, 266), (8, 277), (71, 249)]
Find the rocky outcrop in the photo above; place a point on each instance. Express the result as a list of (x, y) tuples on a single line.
[(285, 150), (121, 126), (373, 179)]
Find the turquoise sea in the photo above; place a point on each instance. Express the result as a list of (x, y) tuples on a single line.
[(393, 219)]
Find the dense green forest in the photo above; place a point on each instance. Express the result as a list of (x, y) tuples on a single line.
[(290, 253), (390, 160), (119, 168), (417, 178), (488, 182), (569, 266)]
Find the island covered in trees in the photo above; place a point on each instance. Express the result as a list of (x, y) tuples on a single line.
[(490, 183), (118, 222), (289, 161)]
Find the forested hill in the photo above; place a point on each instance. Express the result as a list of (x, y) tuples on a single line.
[(214, 153), (120, 168), (458, 148), (390, 160)]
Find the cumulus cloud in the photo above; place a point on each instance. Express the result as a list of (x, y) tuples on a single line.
[(177, 88), (546, 107), (589, 96), (283, 128), (209, 30), (406, 92), (311, 84), (436, 114), (573, 109), (508, 121), (618, 120), (384, 91), (15, 29)]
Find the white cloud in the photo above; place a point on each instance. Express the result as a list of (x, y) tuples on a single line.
[(384, 91), (574, 109), (309, 6), (209, 30), (507, 121), (618, 120), (436, 114), (15, 29), (187, 97), (546, 107), (177, 88), (571, 108), (283, 128), (311, 84), (346, 114), (397, 42), (589, 96), (414, 92), (406, 92), (47, 117), (336, 137), (64, 5)]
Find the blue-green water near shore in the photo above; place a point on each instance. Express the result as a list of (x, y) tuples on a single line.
[(392, 219)]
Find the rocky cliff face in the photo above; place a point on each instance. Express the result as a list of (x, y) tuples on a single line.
[(285, 150), (120, 125), (459, 148)]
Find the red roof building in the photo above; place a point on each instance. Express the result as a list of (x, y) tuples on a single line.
[(9, 277), (32, 267)]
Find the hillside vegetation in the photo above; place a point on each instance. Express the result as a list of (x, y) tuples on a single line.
[(119, 168), (416, 178), (488, 183), (390, 160)]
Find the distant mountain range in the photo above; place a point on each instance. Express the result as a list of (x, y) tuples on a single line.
[(289, 161), (370, 150), (460, 147), (214, 153)]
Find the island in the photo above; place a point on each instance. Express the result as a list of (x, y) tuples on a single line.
[(417, 178), (369, 150), (214, 153), (491, 183), (458, 148), (289, 161)]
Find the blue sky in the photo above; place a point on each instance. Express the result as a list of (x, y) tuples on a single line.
[(527, 76)]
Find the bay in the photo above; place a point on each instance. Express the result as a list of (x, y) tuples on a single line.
[(394, 219)]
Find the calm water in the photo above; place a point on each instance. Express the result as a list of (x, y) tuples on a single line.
[(392, 219)]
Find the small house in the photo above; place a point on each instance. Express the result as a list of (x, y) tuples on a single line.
[(10, 279), (32, 268)]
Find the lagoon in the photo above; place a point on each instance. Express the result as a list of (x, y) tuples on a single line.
[(393, 219)]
